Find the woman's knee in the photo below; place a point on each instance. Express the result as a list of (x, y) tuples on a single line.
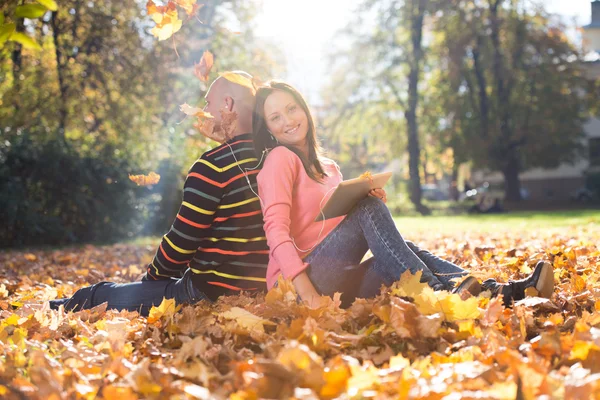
[(372, 203)]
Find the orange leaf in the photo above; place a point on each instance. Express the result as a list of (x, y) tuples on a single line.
[(228, 122), (145, 180), (189, 6), (202, 69), (166, 18)]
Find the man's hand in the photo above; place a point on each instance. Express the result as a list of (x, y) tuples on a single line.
[(379, 193)]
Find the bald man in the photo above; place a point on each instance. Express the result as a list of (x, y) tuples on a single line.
[(216, 245)]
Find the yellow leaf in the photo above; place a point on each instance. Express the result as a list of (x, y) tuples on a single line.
[(118, 392), (284, 291), (581, 350), (399, 362), (408, 285), (166, 309), (246, 319), (238, 79)]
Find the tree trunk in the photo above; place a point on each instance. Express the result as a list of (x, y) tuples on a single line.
[(511, 171), (512, 184), (62, 112), (416, 34), (17, 61)]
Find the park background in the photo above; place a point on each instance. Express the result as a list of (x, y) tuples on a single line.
[(485, 110), (505, 108)]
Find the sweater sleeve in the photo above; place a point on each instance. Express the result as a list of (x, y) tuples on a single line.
[(202, 194), (276, 186)]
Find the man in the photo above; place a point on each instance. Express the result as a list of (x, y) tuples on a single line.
[(216, 244)]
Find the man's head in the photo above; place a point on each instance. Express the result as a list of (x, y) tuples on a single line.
[(231, 92)]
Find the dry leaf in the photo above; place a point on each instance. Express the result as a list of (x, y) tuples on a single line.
[(166, 19), (203, 68), (228, 122), (145, 180)]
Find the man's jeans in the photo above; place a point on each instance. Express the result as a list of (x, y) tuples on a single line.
[(335, 263), (134, 296)]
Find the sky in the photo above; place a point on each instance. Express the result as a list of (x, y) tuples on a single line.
[(305, 30)]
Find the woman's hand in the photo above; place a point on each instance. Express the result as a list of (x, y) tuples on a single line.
[(306, 290), (379, 193)]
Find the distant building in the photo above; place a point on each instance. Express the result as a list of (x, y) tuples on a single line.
[(560, 184)]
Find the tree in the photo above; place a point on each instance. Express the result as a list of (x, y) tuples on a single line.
[(98, 100), (386, 58), (514, 92)]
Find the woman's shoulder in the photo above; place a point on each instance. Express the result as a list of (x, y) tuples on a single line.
[(281, 154)]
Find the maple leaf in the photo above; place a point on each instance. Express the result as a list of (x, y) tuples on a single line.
[(246, 319), (203, 68), (166, 19), (428, 302), (145, 180), (190, 7), (166, 309)]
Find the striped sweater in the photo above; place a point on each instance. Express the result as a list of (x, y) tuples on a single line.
[(218, 232)]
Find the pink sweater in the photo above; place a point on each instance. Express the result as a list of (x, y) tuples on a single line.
[(290, 202)]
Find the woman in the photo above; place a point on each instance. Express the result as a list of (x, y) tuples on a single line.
[(322, 258)]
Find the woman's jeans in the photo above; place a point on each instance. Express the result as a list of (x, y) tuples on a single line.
[(134, 296), (334, 265)]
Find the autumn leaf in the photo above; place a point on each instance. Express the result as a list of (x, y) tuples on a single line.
[(228, 122), (166, 19), (145, 180), (190, 7), (246, 319), (194, 111), (166, 309), (203, 68), (238, 79)]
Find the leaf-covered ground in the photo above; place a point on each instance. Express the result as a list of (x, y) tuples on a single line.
[(407, 343)]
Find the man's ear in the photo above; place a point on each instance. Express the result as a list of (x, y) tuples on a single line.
[(229, 103)]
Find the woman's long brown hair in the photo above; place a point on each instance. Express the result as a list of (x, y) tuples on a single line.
[(263, 140)]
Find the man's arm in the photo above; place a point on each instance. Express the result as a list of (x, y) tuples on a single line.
[(202, 194)]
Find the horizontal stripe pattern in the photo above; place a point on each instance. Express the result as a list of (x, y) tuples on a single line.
[(218, 232)]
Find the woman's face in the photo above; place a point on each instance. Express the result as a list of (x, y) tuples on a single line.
[(286, 120)]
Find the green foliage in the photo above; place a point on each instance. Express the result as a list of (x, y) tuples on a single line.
[(99, 101), (59, 196), (513, 93)]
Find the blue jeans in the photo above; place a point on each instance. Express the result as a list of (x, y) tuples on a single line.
[(134, 296), (334, 265)]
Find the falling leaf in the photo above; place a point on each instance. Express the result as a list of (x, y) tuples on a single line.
[(203, 68), (145, 180), (166, 19), (190, 6), (194, 111)]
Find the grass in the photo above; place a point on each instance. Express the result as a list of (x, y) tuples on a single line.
[(510, 221)]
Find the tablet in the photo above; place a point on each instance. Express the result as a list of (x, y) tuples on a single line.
[(350, 192)]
